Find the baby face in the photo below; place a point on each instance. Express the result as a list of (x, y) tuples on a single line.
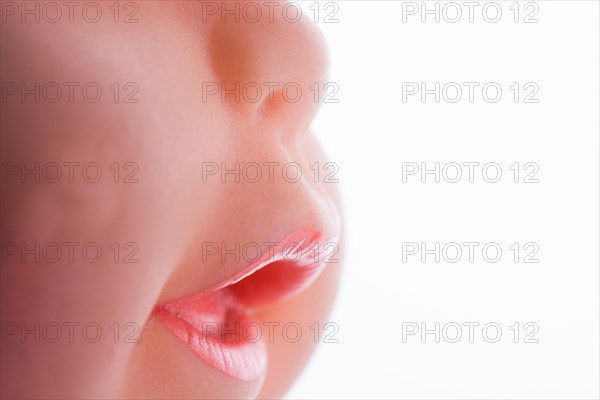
[(165, 208)]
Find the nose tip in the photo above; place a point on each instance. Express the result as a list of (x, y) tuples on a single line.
[(269, 65)]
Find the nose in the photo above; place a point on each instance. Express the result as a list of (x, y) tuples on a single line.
[(270, 61)]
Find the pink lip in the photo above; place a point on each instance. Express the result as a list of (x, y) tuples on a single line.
[(217, 323)]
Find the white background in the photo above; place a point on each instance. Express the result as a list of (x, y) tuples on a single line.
[(371, 132)]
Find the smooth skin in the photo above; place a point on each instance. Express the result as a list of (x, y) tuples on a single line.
[(169, 133)]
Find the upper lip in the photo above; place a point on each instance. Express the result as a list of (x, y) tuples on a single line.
[(293, 265), (297, 243), (286, 267)]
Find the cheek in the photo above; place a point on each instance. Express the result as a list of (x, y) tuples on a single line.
[(119, 238), (141, 214)]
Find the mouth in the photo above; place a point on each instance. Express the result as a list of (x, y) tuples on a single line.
[(217, 324)]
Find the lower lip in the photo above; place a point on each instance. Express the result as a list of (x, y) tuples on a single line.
[(217, 324), (218, 331)]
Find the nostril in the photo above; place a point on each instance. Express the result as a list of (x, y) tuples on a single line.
[(272, 105)]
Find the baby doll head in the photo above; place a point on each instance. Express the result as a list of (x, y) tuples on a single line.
[(167, 228)]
